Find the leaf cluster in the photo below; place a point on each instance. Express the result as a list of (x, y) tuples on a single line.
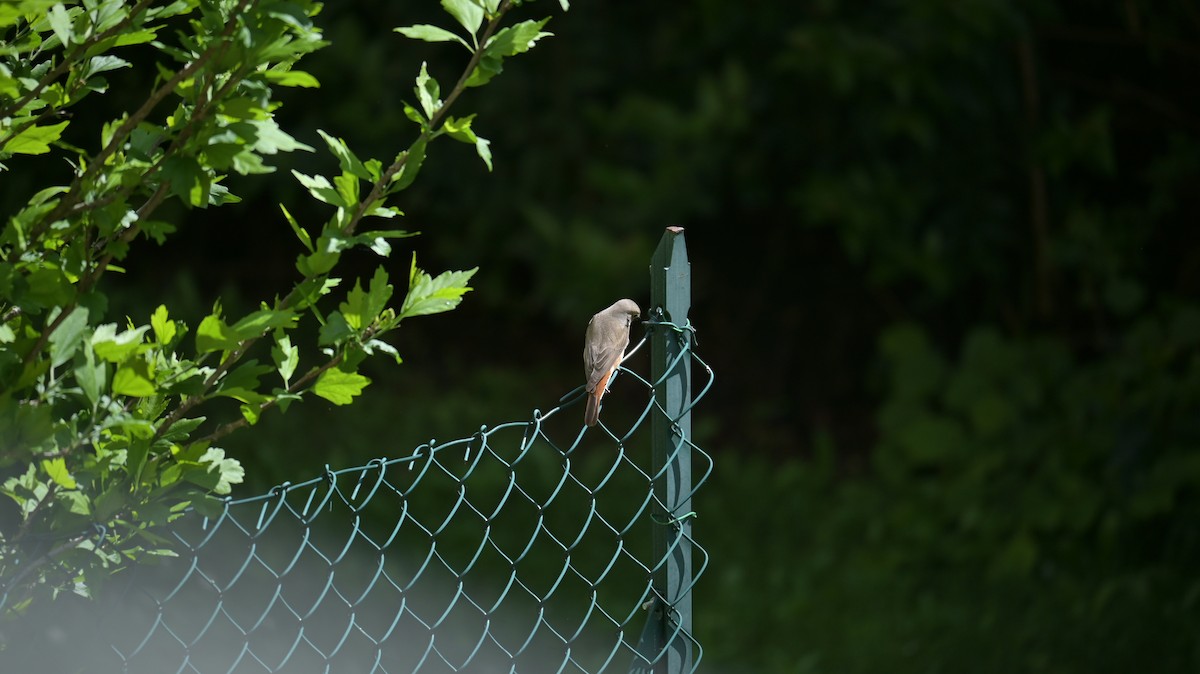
[(110, 429)]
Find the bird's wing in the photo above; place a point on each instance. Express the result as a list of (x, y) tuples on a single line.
[(603, 352)]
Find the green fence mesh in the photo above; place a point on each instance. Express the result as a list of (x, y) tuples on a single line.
[(527, 547)]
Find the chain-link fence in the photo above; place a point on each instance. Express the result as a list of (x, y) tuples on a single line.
[(531, 546)]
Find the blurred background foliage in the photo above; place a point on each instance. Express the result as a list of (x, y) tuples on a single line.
[(946, 269)]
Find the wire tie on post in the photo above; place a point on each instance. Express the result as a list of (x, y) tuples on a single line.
[(674, 521), (686, 329)]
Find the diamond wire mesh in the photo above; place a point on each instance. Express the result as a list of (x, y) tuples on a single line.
[(510, 550)]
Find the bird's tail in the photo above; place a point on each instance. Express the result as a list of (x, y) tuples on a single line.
[(592, 412)]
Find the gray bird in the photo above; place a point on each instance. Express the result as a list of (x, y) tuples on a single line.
[(603, 348)]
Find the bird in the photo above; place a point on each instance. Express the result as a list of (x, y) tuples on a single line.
[(603, 349)]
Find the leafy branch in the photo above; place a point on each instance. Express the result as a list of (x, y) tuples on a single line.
[(118, 137), (103, 417), (65, 65)]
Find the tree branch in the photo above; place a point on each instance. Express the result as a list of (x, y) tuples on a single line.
[(67, 203), (377, 192), (377, 189), (241, 422)]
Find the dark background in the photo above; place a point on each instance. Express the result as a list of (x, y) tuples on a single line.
[(945, 265)]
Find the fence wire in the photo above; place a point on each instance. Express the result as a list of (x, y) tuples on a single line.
[(526, 547)]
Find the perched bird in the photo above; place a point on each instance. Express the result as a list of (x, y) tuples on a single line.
[(603, 348)]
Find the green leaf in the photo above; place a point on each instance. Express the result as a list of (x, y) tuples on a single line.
[(335, 331), (138, 428), (110, 501), (428, 92), (415, 115), (243, 395), (227, 471), (77, 502), (116, 348), (164, 328), (292, 14), (35, 139), (430, 33), (247, 163), (347, 187), (489, 66), (210, 506), (245, 376), (517, 39), (380, 290), (412, 165), (11, 12), (250, 413), (460, 129), (43, 196), (90, 375), (383, 346), (513, 40), (263, 320), (56, 469), (319, 262), (340, 387), (60, 22), (300, 231), (189, 181), (136, 37), (347, 159), (68, 337), (319, 187), (133, 379), (484, 150), (48, 287), (283, 399), (24, 429), (428, 295), (292, 78), (268, 138), (9, 85), (355, 309), (214, 335), (286, 357), (104, 63), (309, 291), (468, 13), (180, 430), (361, 308), (380, 211)]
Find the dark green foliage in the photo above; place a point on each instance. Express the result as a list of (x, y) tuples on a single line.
[(1023, 511)]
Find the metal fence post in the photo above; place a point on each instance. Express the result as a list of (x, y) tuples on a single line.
[(670, 290)]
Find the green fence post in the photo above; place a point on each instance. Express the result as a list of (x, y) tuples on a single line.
[(670, 290)]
